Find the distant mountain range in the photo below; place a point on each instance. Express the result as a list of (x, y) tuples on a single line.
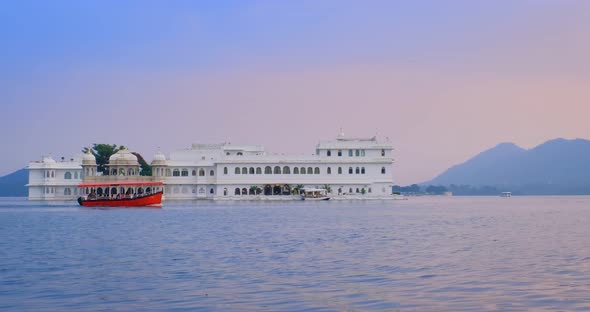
[(557, 167), (14, 184)]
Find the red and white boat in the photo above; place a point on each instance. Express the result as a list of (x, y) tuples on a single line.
[(121, 194)]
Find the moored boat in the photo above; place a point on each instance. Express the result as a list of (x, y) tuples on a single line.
[(121, 194), (314, 194)]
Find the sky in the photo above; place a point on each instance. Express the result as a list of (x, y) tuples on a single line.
[(443, 80)]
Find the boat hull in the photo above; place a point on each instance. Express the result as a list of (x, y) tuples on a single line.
[(314, 198), (153, 200)]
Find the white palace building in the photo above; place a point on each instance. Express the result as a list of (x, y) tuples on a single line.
[(346, 167)]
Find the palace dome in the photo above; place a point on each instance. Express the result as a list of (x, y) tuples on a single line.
[(159, 158), (48, 160), (88, 159), (123, 157)]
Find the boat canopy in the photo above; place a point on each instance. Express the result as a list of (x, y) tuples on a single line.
[(313, 190), (121, 183)]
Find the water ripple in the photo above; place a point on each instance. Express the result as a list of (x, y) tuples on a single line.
[(425, 254)]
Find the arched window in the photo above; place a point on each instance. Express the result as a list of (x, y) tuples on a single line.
[(370, 190), (251, 170), (357, 153), (382, 152), (357, 190), (237, 171), (67, 191), (68, 175), (201, 172), (363, 170), (244, 191), (211, 191), (316, 170), (309, 170), (224, 170), (382, 170), (277, 170), (350, 190), (225, 192), (130, 172), (194, 190), (302, 170), (244, 170), (286, 170), (349, 153), (349, 170), (267, 170), (212, 172), (53, 174), (339, 153), (329, 170), (185, 172), (194, 173), (329, 153), (258, 170), (358, 170), (76, 175), (239, 153), (339, 190), (339, 170), (237, 191), (176, 173)]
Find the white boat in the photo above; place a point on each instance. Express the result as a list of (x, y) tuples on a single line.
[(506, 194), (314, 194)]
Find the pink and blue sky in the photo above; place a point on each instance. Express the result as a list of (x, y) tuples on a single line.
[(443, 80)]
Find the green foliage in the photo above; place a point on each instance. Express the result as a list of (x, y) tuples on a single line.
[(436, 190), (414, 188), (102, 153), (255, 189), (146, 169), (297, 189), (328, 188), (363, 191)]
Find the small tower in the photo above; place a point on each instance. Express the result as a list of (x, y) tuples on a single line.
[(159, 164), (88, 164)]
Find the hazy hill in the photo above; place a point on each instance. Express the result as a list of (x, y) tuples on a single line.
[(14, 184), (555, 167)]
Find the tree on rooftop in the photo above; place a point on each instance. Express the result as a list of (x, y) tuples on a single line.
[(146, 169), (102, 153)]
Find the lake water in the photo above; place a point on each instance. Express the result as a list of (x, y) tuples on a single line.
[(423, 254)]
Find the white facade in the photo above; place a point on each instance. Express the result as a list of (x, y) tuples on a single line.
[(348, 167), (54, 180)]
